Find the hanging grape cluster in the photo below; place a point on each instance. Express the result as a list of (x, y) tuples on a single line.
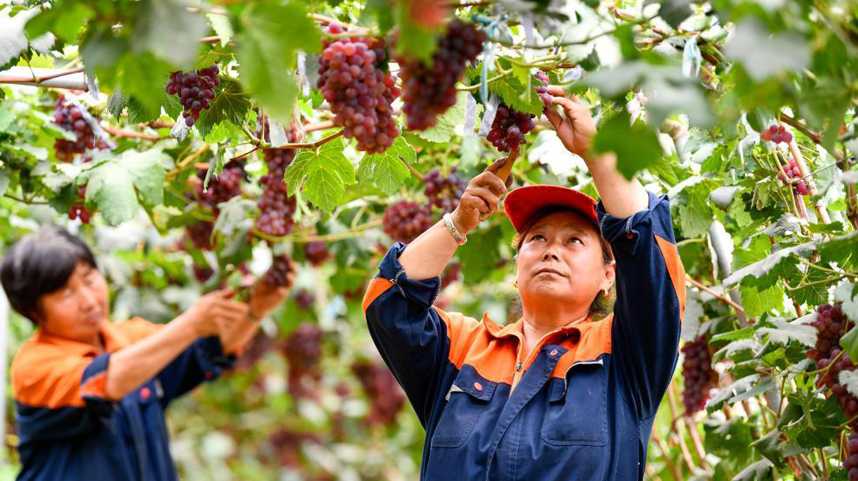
[(358, 91), (405, 220), (830, 359), (509, 128), (442, 191), (777, 134), (791, 174), (316, 252), (385, 396), (195, 91), (278, 274), (699, 377), (303, 351), (72, 118), (429, 89)]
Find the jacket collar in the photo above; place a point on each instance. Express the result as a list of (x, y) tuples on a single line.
[(112, 338)]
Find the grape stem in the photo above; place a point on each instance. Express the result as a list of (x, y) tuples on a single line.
[(184, 163), (311, 145), (720, 297), (583, 41), (25, 200), (128, 134), (665, 454)]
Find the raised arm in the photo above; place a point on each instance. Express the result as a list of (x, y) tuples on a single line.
[(575, 127)]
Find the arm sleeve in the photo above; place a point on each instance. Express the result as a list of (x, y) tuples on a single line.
[(410, 334), (204, 360), (650, 300)]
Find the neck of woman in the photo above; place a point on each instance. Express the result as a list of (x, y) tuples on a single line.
[(546, 317)]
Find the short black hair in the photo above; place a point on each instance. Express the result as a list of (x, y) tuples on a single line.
[(41, 263)]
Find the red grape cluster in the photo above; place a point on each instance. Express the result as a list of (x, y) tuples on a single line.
[(202, 273), (791, 174), (221, 188), (851, 463), (699, 376), (443, 192), (72, 118), (358, 91), (304, 299), (256, 348), (316, 252), (383, 391), (776, 134), (195, 91), (287, 446), (509, 128), (451, 274), (303, 351), (278, 274), (405, 220), (830, 324), (78, 210), (276, 207), (430, 89), (200, 234)]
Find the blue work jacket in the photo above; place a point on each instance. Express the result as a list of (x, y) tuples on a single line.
[(579, 407), (67, 428)]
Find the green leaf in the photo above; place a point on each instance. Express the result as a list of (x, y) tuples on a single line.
[(763, 53), (229, 104), (480, 255), (169, 30), (13, 42), (322, 175), (387, 170), (114, 186), (267, 56), (510, 90), (849, 343), (63, 19), (448, 123), (636, 146), (695, 214), (143, 77), (757, 302)]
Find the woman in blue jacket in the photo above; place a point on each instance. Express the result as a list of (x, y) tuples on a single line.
[(561, 394)]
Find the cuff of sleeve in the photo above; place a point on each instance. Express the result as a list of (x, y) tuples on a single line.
[(624, 233), (93, 386), (211, 358), (422, 292)]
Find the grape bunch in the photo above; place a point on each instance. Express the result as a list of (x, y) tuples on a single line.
[(195, 91), (221, 188), (428, 90), (443, 192), (72, 118), (509, 128), (830, 360), (791, 174), (698, 374), (776, 134), (200, 234), (279, 272), (359, 92), (303, 351), (255, 350), (287, 444), (316, 252), (851, 463), (386, 397), (304, 299), (276, 207), (405, 220), (451, 274), (78, 210)]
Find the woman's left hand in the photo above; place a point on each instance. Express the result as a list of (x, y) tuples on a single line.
[(575, 126)]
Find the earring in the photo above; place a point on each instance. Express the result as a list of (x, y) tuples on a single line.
[(515, 283)]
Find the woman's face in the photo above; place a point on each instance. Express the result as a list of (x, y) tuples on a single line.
[(560, 260), (77, 310)]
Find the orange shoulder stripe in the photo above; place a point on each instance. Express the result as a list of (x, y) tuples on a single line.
[(377, 286), (45, 376), (595, 341), (674, 267)]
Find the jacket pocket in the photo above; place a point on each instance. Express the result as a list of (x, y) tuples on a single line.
[(577, 407), (467, 399)]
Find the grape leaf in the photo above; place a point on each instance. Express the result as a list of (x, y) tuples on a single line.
[(636, 146), (63, 19), (763, 53), (267, 56), (322, 175), (169, 31), (449, 123), (510, 90), (119, 185), (229, 104), (387, 170), (759, 301)]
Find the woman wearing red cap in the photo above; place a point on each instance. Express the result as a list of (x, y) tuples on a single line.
[(562, 393)]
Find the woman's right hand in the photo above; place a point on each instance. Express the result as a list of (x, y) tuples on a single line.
[(482, 195), (213, 311)]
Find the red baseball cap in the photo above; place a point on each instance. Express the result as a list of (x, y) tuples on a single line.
[(522, 203)]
